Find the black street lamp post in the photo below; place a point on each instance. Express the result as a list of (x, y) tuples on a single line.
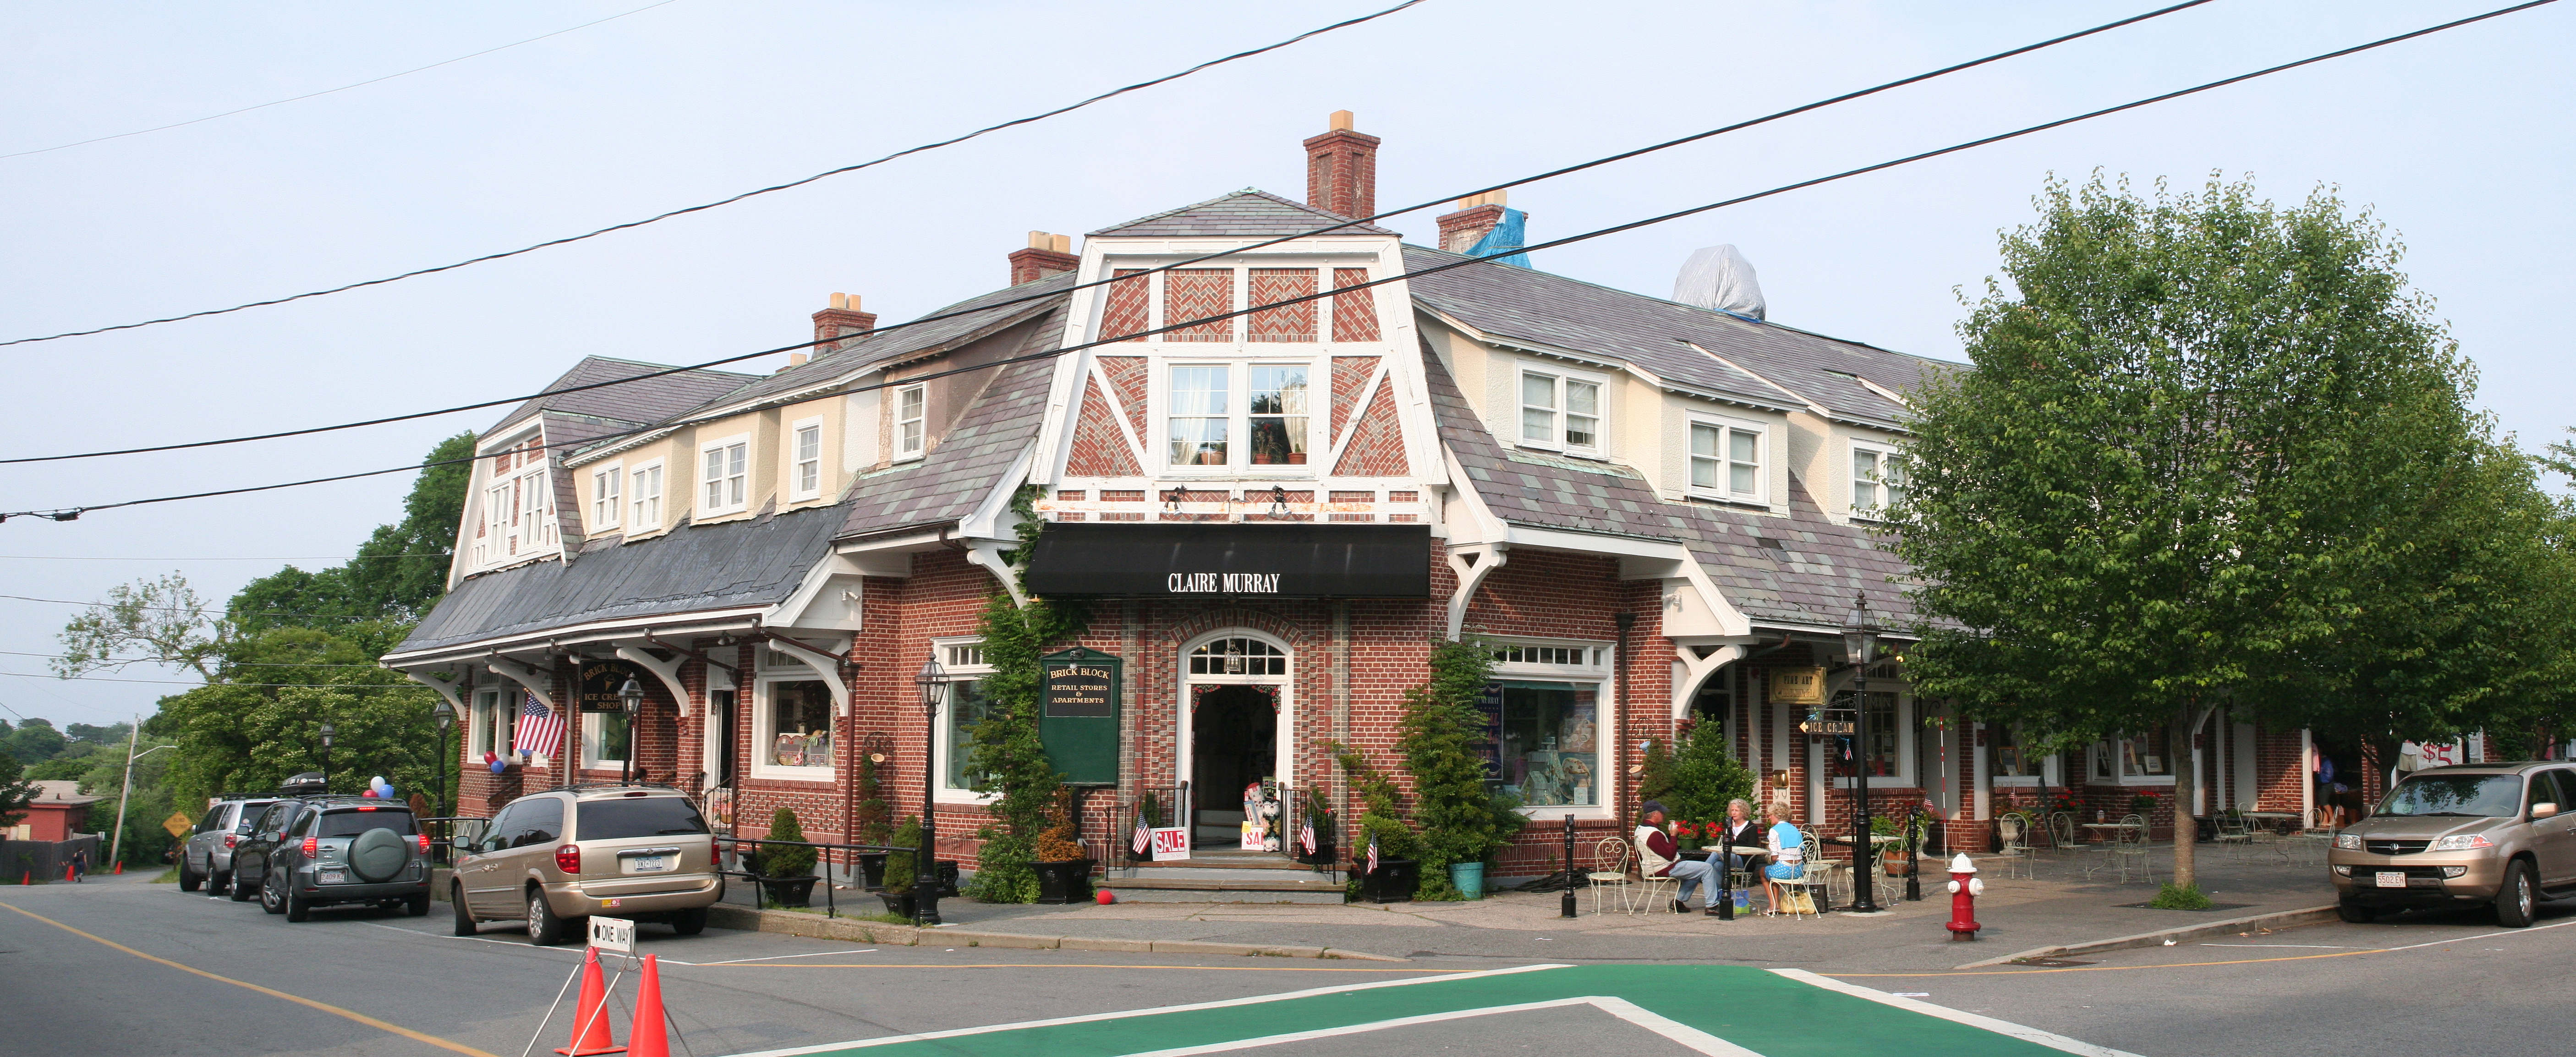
[(925, 862), (443, 718), (327, 731), (631, 698), (1860, 636)]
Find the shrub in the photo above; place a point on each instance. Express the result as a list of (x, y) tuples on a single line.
[(872, 816), (1701, 776), (1459, 817), (1381, 810), (776, 861), (1060, 841), (2186, 897), (899, 869)]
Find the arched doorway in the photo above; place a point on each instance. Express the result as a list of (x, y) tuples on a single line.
[(1236, 688)]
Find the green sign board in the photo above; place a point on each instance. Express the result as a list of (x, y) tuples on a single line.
[(1078, 714)]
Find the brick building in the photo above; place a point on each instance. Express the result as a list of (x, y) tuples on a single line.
[(1649, 510)]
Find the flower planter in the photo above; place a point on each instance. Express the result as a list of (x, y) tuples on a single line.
[(872, 869), (1065, 881), (1394, 881), (898, 904), (790, 891), (1468, 878), (1325, 854)]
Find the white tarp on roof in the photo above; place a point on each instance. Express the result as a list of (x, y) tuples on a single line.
[(1719, 277)]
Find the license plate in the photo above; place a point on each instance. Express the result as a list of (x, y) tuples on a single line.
[(649, 864), (332, 877), (2388, 879)]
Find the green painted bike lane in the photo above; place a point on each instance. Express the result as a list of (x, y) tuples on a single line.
[(1791, 1016)]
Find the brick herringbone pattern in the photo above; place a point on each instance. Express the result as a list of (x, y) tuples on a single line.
[(1288, 322), (1350, 375), (1195, 293), (1099, 450), (1377, 442), (1354, 314), (1124, 311), (1127, 375)]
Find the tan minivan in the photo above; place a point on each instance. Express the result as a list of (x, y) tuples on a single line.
[(556, 857), (2498, 833)]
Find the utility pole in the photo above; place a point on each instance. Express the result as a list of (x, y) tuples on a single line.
[(116, 844)]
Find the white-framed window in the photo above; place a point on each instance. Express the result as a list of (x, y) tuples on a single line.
[(496, 716), (1561, 409), (911, 420), (1551, 702), (965, 704), (604, 740), (607, 496), (792, 721), (646, 495), (2140, 758), (515, 521), (805, 469), (1878, 478), (724, 477), (1238, 414), (1726, 460), (2011, 759)]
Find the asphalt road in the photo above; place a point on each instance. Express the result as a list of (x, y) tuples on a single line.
[(160, 971)]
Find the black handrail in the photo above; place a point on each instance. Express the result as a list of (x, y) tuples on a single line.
[(831, 903)]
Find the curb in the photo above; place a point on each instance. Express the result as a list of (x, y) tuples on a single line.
[(856, 931), (2277, 919)]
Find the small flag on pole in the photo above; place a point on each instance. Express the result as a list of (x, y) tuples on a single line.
[(1372, 859), (1144, 837), (540, 729), (1306, 833)]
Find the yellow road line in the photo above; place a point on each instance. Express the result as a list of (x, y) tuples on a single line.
[(2119, 968), (1064, 965), (456, 1047)]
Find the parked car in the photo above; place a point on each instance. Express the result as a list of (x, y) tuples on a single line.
[(206, 860), (2500, 834), (251, 852), (347, 849), (554, 858)]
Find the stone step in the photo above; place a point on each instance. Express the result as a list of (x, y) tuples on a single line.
[(1175, 872), (1196, 895), (1208, 859), (1313, 889)]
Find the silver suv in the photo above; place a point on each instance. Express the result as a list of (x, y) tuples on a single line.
[(207, 859), (556, 857), (2503, 834)]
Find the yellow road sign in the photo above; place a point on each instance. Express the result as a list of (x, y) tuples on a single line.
[(177, 824)]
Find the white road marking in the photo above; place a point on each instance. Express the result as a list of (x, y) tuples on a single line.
[(1093, 1017), (769, 957), (2311, 946), (2483, 936), (2050, 1039), (1697, 1040)]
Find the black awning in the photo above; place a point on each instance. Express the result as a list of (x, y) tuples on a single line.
[(1202, 560)]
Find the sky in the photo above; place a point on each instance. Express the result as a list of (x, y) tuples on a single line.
[(2449, 140)]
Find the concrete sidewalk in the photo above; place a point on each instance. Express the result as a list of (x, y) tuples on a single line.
[(2059, 907)]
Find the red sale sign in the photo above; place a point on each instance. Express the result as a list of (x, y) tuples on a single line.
[(1173, 843)]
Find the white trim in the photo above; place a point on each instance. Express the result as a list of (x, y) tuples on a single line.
[(1599, 668), (1283, 741), (797, 488), (1907, 725), (594, 733), (1237, 362), (921, 439), (1724, 490), (667, 671), (660, 497), (2031, 1035), (2101, 752), (763, 726), (957, 674), (1560, 408), (613, 500), (741, 481), (1882, 452), (709, 622)]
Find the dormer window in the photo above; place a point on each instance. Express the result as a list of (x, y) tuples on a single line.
[(911, 416), (1878, 479), (806, 474), (1726, 460), (607, 496), (1561, 410), (726, 477)]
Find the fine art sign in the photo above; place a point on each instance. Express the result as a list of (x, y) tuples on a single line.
[(1220, 559), (1797, 686)]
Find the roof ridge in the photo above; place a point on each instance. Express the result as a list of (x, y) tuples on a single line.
[(1355, 224)]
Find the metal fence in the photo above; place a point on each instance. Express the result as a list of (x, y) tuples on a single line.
[(838, 863)]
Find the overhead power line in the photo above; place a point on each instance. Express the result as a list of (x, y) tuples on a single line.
[(287, 558), (183, 682), (201, 611), (951, 141), (990, 306), (227, 664), (328, 91), (69, 513)]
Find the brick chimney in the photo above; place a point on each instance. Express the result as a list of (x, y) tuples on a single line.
[(842, 320), (1460, 231), (1047, 255), (1341, 169)]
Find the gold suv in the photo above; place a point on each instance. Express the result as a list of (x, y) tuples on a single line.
[(557, 857), (2502, 833)]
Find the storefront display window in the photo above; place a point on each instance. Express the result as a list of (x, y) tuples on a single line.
[(1551, 742), (968, 705), (799, 724), (2138, 758), (1883, 736)]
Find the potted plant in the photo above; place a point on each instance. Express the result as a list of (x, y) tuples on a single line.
[(787, 871), (1149, 814), (1461, 819), (1893, 860), (1319, 814), (1064, 872), (872, 825), (899, 871), (1381, 831)]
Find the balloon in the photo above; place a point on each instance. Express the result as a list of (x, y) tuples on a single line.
[(378, 782), (489, 756), (367, 792), (386, 791), (499, 767)]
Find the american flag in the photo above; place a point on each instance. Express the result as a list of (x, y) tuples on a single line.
[(1306, 833), (1372, 859), (540, 729), (1144, 838)]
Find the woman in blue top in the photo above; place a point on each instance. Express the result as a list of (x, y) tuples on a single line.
[(1788, 853)]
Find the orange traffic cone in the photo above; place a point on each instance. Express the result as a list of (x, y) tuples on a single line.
[(71, 872), (590, 1018), (644, 1037), (120, 867)]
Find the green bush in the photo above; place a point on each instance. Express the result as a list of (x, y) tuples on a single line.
[(899, 871), (1458, 816), (1381, 809), (776, 861), (1703, 776), (2187, 897), (872, 813)]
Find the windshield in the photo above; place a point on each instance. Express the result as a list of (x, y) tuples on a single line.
[(354, 822), (651, 816), (249, 817), (2466, 795)]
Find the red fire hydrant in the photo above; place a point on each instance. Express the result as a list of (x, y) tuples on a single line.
[(1964, 889)]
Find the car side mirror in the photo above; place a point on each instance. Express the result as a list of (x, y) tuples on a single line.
[(2542, 810), (463, 844)]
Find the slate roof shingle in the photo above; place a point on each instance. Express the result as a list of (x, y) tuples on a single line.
[(1248, 212), (952, 479), (636, 403)]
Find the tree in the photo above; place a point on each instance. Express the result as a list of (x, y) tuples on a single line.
[(2195, 429), (1012, 762), (1459, 818), (35, 741), (15, 792), (163, 621)]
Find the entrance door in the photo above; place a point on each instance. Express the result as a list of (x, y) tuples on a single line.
[(1234, 742)]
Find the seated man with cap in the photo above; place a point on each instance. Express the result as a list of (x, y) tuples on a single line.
[(1658, 856)]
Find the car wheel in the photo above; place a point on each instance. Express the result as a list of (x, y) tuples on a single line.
[(464, 914), (189, 880), (230, 882), (297, 910), (689, 922), (417, 906), (544, 928), (2514, 903), (2356, 913), (269, 899)]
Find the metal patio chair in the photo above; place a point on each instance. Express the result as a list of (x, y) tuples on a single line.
[(2013, 843), (1610, 869)]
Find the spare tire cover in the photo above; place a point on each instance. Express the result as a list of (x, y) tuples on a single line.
[(378, 854)]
